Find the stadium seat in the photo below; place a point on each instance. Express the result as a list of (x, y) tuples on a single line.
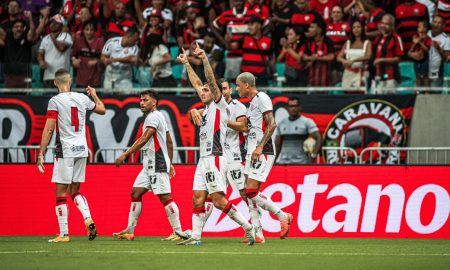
[(36, 76), (174, 52), (446, 76), (408, 76)]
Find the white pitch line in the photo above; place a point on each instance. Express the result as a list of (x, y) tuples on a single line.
[(229, 253)]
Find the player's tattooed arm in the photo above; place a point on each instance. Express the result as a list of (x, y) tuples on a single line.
[(193, 77), (209, 73), (138, 144), (271, 126)]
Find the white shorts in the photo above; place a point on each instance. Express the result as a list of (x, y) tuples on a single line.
[(210, 174), (69, 170), (158, 182), (259, 170), (235, 176)]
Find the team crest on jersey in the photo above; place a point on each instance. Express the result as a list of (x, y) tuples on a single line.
[(416, 10), (307, 18), (367, 123), (264, 45)]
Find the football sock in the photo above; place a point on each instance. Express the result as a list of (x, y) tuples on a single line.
[(82, 205), (173, 214), (135, 212), (265, 203), (198, 220), (236, 216), (255, 214), (62, 213), (209, 207)]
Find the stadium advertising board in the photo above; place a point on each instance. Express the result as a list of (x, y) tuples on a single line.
[(356, 121), (326, 201)]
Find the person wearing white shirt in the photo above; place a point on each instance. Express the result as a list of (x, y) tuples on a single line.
[(439, 51)]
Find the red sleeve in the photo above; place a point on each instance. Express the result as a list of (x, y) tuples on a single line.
[(67, 8), (399, 47), (428, 42), (51, 114), (221, 20), (265, 13)]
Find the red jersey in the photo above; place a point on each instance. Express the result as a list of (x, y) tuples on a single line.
[(388, 47), (303, 20), (373, 20), (408, 18), (256, 54), (116, 28), (261, 9), (290, 61), (338, 33), (417, 48), (324, 9), (236, 25), (443, 9), (68, 7), (319, 72)]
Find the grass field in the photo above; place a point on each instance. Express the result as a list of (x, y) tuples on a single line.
[(224, 253)]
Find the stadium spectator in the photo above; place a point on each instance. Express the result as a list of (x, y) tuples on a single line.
[(304, 17), (86, 57), (443, 9), (55, 50), (154, 25), (166, 14), (294, 70), (118, 24), (157, 54), (324, 7), (292, 131), (318, 52), (408, 15), (439, 52), (281, 16), (235, 22), (431, 7), (419, 52), (257, 52), (186, 32), (14, 13), (34, 6), (17, 48), (72, 13), (119, 55), (76, 25), (373, 15), (214, 52), (258, 7), (338, 31), (354, 56), (388, 49)]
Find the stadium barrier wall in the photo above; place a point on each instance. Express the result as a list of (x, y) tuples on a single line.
[(326, 201)]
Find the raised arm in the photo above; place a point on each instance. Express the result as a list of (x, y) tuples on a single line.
[(99, 106), (209, 73), (195, 80)]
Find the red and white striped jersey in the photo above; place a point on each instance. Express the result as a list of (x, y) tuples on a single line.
[(69, 109), (155, 153), (214, 128), (235, 140), (259, 106)]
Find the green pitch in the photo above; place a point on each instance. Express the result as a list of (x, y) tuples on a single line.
[(224, 253)]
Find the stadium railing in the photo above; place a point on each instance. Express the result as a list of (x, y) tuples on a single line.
[(405, 155), (342, 155), (29, 153)]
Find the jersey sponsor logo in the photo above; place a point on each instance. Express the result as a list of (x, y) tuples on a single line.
[(367, 123), (78, 148)]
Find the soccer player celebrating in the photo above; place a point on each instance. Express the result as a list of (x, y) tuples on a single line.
[(260, 147), (211, 168), (158, 169), (67, 112)]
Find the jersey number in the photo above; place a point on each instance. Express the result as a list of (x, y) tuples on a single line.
[(75, 121)]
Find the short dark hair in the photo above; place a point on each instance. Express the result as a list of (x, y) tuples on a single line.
[(19, 21), (426, 24), (222, 80), (17, 1), (152, 93), (132, 31), (294, 98)]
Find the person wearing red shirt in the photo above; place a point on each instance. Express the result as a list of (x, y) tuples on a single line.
[(294, 70), (408, 16), (323, 7), (235, 21), (259, 8), (388, 48), (443, 9), (186, 32), (318, 52), (304, 17), (338, 31), (421, 44), (118, 23), (76, 26), (373, 15), (86, 57)]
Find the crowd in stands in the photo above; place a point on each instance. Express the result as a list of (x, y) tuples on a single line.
[(318, 43)]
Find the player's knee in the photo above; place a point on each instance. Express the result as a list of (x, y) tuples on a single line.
[(197, 201), (135, 196), (164, 198)]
